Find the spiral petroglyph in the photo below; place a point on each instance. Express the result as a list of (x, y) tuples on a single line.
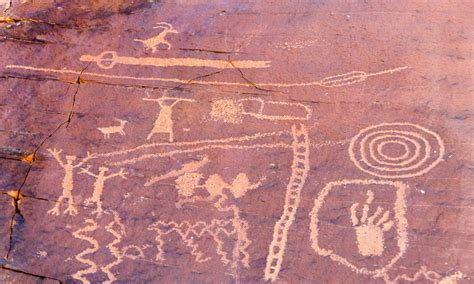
[(396, 150)]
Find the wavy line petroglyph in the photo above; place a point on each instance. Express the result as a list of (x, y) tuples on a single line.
[(328, 82), (299, 174), (109, 59), (370, 238), (99, 184), (117, 229), (68, 181), (164, 121), (428, 275), (218, 194), (119, 129), (233, 111), (91, 226), (154, 42), (421, 149)]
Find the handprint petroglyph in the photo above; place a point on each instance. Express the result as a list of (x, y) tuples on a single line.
[(370, 233)]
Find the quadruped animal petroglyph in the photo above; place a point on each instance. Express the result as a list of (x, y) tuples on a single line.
[(153, 43)]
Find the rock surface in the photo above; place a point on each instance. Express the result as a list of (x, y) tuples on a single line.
[(236, 141)]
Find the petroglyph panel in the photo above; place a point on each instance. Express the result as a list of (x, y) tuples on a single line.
[(231, 142)]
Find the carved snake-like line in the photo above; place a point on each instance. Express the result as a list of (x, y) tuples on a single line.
[(79, 275)]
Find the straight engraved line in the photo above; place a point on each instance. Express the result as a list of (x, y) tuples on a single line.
[(328, 82), (193, 143), (172, 153)]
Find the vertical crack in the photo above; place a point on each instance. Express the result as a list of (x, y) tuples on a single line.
[(32, 158)]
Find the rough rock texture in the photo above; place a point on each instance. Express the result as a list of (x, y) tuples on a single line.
[(236, 141)]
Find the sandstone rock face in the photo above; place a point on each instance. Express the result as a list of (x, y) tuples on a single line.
[(236, 142)]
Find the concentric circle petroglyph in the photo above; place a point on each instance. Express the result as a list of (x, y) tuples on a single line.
[(396, 150)]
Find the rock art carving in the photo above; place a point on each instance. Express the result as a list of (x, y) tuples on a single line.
[(328, 82), (256, 141), (233, 111), (160, 39), (235, 228), (99, 184), (117, 229), (164, 122), (369, 234), (371, 150), (186, 168), (107, 131), (68, 181), (369, 231), (428, 275), (92, 267), (299, 174), (108, 59)]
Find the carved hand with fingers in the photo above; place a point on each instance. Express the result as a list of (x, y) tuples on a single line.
[(369, 231)]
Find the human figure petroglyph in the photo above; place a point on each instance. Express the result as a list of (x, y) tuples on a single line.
[(370, 233), (119, 129), (164, 122), (100, 179), (154, 42), (68, 180)]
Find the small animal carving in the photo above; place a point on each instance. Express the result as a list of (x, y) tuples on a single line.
[(113, 129), (154, 42)]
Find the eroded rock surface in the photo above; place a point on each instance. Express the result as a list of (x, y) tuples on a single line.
[(226, 142)]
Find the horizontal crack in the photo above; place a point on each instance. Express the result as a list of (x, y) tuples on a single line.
[(29, 273)]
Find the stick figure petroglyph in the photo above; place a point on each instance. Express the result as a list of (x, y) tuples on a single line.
[(99, 186), (68, 181), (113, 129), (154, 42), (370, 234), (164, 122)]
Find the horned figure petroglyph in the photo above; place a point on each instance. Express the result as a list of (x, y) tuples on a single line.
[(113, 129), (164, 122), (154, 42), (99, 184), (68, 181)]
